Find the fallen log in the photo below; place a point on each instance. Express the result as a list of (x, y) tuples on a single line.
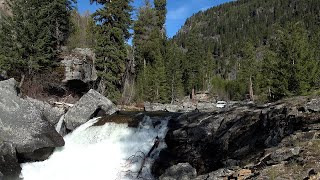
[(63, 104), (155, 145)]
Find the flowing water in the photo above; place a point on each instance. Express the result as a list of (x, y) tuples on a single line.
[(109, 152)]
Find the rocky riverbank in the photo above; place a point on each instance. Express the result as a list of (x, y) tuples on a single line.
[(279, 140), (28, 129)]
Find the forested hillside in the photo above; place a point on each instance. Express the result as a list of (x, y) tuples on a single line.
[(270, 45), (260, 50)]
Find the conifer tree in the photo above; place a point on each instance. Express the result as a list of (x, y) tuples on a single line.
[(174, 58), (113, 22), (248, 68), (37, 30), (143, 28), (295, 61), (149, 41)]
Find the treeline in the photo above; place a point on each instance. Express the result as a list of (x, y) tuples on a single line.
[(32, 34), (257, 50), (263, 50), (247, 49)]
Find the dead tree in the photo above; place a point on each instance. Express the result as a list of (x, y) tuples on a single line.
[(155, 145)]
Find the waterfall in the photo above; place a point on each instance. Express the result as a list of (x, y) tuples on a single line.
[(112, 151), (59, 125)]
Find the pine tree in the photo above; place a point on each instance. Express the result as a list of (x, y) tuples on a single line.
[(113, 23), (143, 44), (174, 57), (249, 68), (149, 41), (37, 30), (295, 60)]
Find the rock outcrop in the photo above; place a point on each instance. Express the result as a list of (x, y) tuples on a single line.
[(24, 134), (89, 106), (242, 140), (79, 65)]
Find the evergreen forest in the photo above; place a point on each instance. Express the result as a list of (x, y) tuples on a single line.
[(258, 50)]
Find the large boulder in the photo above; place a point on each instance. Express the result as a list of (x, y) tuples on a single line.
[(79, 65), (50, 113), (89, 106), (23, 131), (181, 171)]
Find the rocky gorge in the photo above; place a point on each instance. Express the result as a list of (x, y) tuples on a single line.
[(278, 140), (272, 141)]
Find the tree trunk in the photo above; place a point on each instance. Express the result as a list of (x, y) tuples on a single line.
[(251, 89), (155, 146), (101, 86), (22, 81), (193, 95), (172, 90)]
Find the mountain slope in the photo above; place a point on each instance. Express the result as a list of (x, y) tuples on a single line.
[(225, 31), (230, 24)]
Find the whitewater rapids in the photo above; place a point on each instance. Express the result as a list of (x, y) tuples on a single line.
[(112, 151)]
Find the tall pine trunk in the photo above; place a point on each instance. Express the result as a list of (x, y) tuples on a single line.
[(251, 89)]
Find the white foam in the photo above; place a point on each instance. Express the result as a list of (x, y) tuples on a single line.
[(101, 152)]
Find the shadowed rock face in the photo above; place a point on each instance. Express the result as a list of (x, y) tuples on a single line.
[(209, 141), (24, 135)]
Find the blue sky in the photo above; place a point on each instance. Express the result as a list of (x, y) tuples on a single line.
[(178, 10)]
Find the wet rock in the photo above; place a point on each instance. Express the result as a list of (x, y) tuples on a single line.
[(182, 171), (22, 126), (88, 107)]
